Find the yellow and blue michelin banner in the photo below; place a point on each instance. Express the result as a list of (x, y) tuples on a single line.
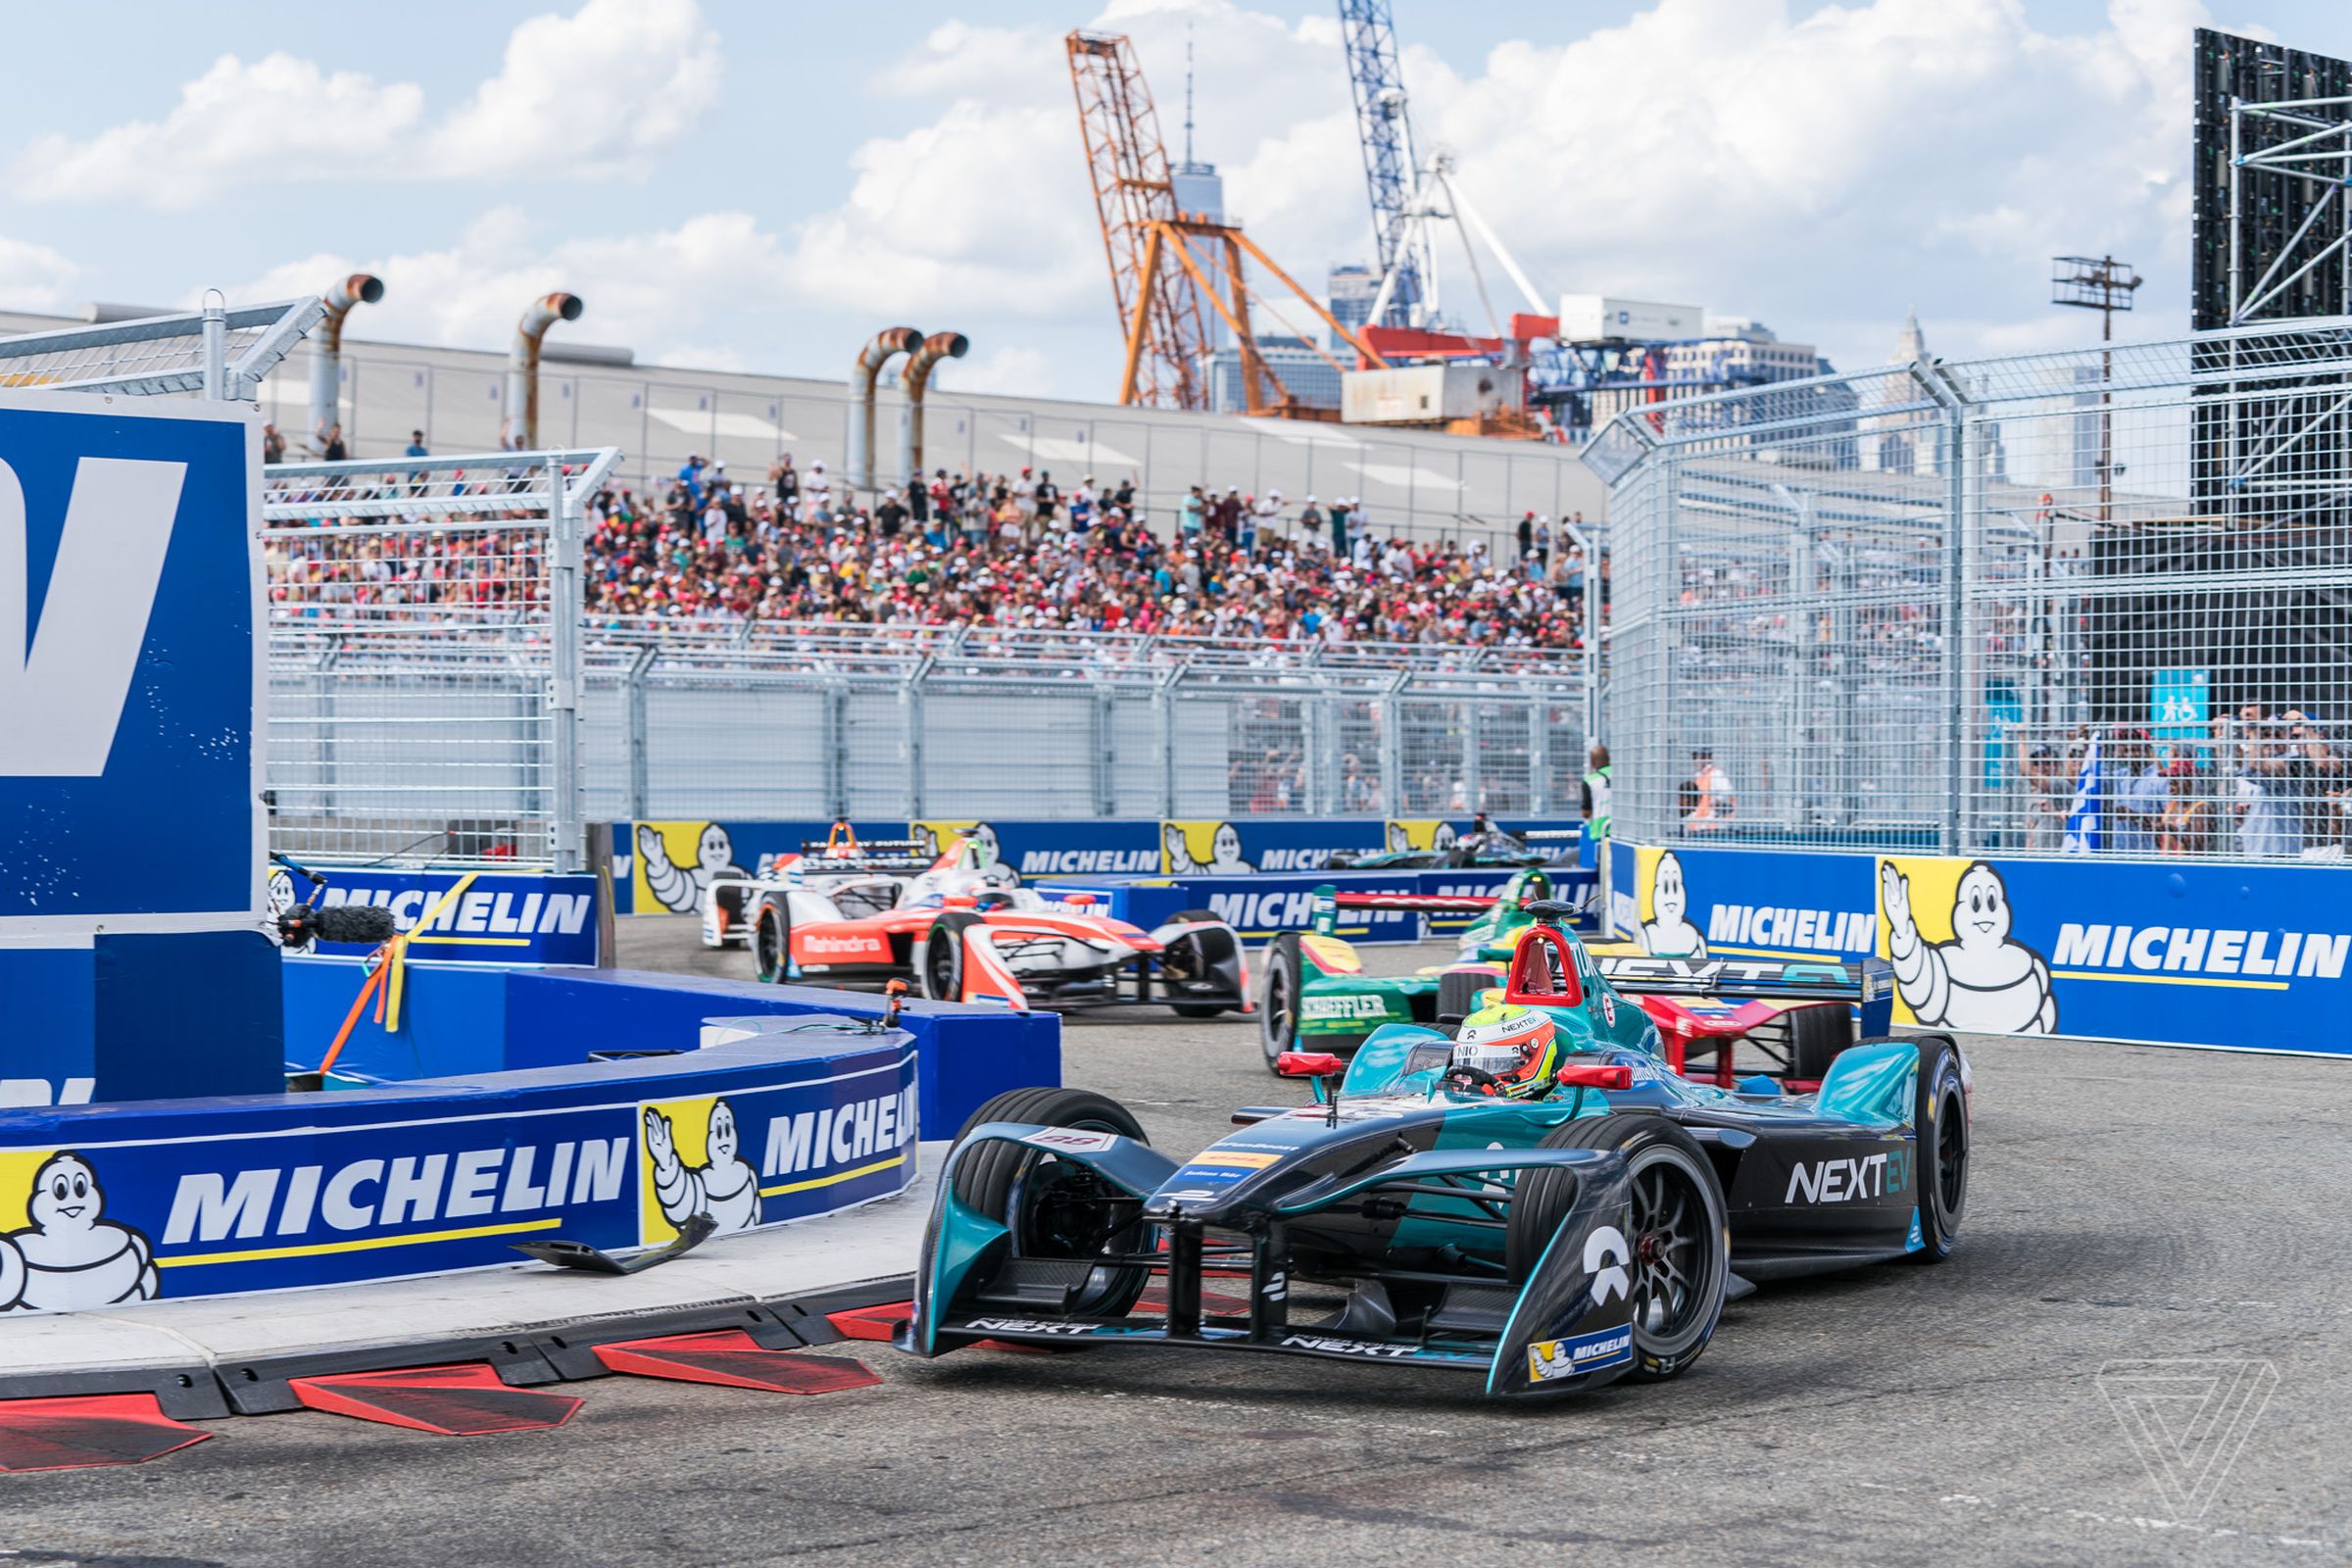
[(466, 916), (129, 1204), (2234, 955), (660, 867)]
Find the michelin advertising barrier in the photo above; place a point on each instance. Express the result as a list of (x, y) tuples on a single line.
[(2232, 956), (111, 1206), (663, 868), (465, 917)]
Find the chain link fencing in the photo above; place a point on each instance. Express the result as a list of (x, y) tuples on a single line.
[(423, 693), (2091, 601)]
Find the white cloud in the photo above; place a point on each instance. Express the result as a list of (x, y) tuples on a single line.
[(594, 95), (672, 294), (1821, 172), (277, 118), (33, 277), (1012, 369)]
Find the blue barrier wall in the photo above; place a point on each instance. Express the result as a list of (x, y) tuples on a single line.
[(111, 1205), (2238, 957), (691, 852), (465, 1019)]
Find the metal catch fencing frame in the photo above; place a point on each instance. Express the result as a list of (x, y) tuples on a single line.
[(785, 720), (379, 620), (2102, 597), (221, 353)]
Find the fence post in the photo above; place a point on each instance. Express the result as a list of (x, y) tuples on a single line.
[(567, 812), (1392, 748), (1952, 438), (910, 734), (836, 742), (634, 707), (1163, 702), (1105, 720), (1539, 757)]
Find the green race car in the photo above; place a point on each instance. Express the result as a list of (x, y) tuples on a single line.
[(1316, 997), (1797, 1015)]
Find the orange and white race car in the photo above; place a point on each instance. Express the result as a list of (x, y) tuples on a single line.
[(966, 932)]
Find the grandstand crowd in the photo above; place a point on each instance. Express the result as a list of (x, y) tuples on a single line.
[(1016, 550)]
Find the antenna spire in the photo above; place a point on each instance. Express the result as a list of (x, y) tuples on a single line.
[(1188, 96)]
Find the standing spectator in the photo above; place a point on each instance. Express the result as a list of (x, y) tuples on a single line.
[(1049, 498), (818, 488), (2268, 788), (2188, 815), (1527, 535), (330, 444), (273, 444), (1542, 544), (417, 445), (1340, 509), (1706, 798), (1226, 515), (787, 482), (1310, 524), (891, 516), (1191, 516), (691, 477), (2135, 803), (1594, 807)]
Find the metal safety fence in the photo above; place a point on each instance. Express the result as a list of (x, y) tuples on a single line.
[(423, 687), (2094, 601), (807, 720), (429, 702)]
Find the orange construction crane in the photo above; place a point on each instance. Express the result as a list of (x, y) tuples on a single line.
[(1151, 247)]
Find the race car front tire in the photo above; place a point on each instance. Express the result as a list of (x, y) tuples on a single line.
[(1942, 1119), (772, 942), (940, 974), (1198, 1009), (1680, 1238), (1816, 1037), (1278, 997), (1457, 993), (994, 1179)]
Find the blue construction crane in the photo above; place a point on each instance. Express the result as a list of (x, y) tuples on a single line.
[(1387, 133)]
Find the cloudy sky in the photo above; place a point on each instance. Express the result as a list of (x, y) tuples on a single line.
[(760, 184)]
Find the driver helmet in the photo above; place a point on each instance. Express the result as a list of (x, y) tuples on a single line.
[(1516, 1044), (992, 898)]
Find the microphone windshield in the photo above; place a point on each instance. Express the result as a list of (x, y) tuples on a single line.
[(365, 924)]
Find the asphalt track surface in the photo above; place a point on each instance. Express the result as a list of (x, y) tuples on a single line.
[(2128, 1204)]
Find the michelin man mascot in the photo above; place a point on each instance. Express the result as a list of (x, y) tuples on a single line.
[(1671, 935), (679, 888), (725, 1188), (1984, 979), (1224, 851), (72, 1257)]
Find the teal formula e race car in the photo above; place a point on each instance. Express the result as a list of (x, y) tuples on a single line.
[(1531, 1197)]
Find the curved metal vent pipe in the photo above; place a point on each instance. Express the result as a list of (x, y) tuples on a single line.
[(521, 430), (914, 381), (326, 351), (887, 345)]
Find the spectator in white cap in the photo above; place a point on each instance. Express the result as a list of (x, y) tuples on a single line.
[(1310, 521)]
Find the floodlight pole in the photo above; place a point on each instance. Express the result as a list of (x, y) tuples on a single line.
[(2103, 285)]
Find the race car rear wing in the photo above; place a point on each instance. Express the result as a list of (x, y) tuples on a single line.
[(1866, 983), (869, 854)]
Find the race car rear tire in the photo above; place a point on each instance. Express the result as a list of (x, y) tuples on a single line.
[(1457, 993), (1679, 1232), (1815, 1036), (1941, 1118), (1198, 1009), (940, 974), (1278, 997), (771, 943), (993, 1178)]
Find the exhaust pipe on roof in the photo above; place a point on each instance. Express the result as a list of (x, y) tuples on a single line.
[(521, 430), (914, 381), (888, 343), (326, 352)]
